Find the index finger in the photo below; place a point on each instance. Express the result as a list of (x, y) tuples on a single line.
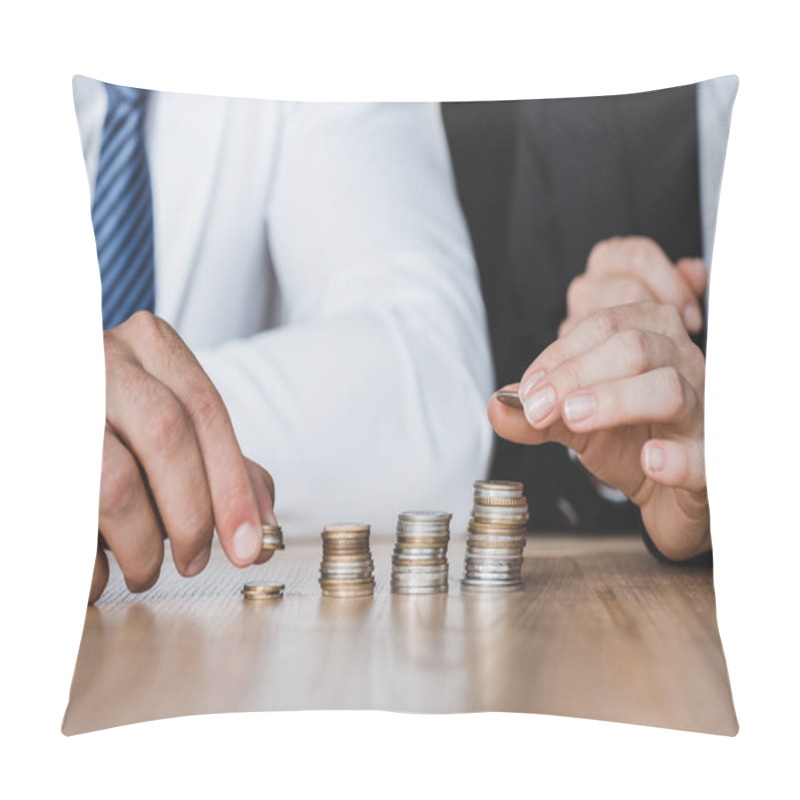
[(235, 505), (594, 330), (643, 259)]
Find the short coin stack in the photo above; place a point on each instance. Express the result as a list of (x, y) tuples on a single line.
[(347, 569), (271, 537), (496, 537), (419, 561), (263, 591)]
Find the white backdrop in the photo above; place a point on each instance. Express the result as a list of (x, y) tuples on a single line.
[(52, 397)]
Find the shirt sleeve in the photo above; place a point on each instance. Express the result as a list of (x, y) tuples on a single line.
[(370, 397)]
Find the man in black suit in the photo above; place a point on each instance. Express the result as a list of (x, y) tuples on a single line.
[(585, 219)]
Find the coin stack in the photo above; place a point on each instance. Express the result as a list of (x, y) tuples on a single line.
[(347, 568), (271, 537), (262, 591), (496, 537), (419, 561)]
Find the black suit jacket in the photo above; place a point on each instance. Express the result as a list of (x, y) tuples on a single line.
[(540, 182)]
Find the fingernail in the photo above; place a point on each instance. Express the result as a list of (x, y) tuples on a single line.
[(198, 563), (654, 458), (529, 383), (579, 407), (540, 404), (692, 318), (246, 542)]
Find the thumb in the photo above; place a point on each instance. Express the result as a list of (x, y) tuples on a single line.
[(264, 488)]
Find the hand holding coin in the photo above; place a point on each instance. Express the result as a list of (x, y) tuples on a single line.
[(171, 463), (624, 389)]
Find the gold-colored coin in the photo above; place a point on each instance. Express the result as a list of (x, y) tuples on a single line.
[(488, 500), (262, 591), (346, 527)]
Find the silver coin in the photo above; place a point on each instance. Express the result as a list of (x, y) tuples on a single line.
[(346, 583), (510, 488), (480, 588), (422, 588), (518, 514), (419, 569), (489, 548), (419, 552), (495, 554), (425, 516), (347, 591)]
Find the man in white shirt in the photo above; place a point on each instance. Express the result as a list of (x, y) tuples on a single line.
[(316, 307)]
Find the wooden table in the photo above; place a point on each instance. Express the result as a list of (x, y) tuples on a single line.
[(601, 630)]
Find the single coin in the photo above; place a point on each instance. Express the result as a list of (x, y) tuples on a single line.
[(266, 528), (425, 516), (397, 561), (507, 488), (488, 500), (347, 591), (509, 398), (429, 587), (472, 585), (346, 527)]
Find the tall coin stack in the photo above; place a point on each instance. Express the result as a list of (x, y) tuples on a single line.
[(347, 568), (419, 561), (496, 537)]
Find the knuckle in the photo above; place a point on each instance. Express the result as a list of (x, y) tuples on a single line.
[(675, 394), (204, 406), (119, 486), (607, 323), (142, 325), (697, 364), (635, 345), (567, 378), (168, 427), (603, 249), (194, 531), (641, 252), (631, 292), (672, 318)]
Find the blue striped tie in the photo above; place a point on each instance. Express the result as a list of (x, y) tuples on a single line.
[(122, 211)]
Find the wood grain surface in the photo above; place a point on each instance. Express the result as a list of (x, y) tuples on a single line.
[(601, 630)]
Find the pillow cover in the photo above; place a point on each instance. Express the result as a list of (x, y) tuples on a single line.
[(296, 281)]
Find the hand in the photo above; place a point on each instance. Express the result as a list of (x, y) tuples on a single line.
[(624, 389), (171, 463), (633, 269)]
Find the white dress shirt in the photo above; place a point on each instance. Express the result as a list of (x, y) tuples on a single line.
[(315, 259)]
